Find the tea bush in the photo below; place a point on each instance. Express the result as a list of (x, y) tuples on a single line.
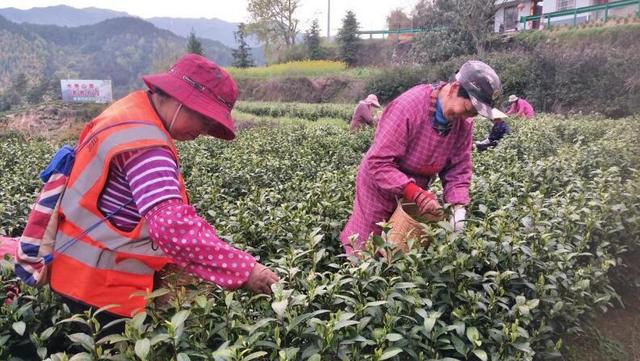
[(553, 208), (297, 110), (19, 157)]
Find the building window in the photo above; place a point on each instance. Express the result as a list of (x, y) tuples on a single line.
[(510, 18), (565, 5)]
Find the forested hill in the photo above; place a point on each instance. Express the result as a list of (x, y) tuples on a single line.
[(120, 49)]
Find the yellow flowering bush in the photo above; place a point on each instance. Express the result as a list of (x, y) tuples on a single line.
[(294, 68)]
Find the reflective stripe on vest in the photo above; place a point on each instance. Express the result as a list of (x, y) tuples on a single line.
[(99, 258), (83, 218)]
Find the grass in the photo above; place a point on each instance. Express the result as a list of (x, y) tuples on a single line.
[(593, 346), (614, 335), (310, 68), (585, 30)]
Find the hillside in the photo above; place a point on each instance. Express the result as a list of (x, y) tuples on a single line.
[(212, 28), (120, 49), (205, 28), (61, 15)]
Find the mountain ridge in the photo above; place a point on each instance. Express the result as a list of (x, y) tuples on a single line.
[(121, 49), (64, 15)]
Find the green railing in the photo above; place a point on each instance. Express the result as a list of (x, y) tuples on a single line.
[(397, 31), (582, 10)]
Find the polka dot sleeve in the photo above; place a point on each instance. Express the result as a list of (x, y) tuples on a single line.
[(193, 245)]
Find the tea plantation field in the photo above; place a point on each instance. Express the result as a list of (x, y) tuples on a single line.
[(553, 209)]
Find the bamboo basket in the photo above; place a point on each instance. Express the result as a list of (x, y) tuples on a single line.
[(406, 224), (173, 278)]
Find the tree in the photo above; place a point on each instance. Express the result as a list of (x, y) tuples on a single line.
[(433, 47), (397, 19), (242, 55), (422, 13), (459, 27), (274, 20), (16, 93), (164, 62), (312, 40), (476, 17), (20, 83), (348, 40), (194, 46), (271, 44)]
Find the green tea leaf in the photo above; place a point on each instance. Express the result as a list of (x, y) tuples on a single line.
[(390, 352), (183, 357), (83, 340), (393, 337), (344, 323), (178, 319), (83, 356), (280, 307), (472, 334), (481, 354), (255, 355), (142, 348), (19, 327)]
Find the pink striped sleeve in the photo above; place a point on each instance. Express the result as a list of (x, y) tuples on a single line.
[(152, 175)]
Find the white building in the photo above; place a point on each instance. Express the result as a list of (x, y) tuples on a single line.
[(508, 12), (559, 5)]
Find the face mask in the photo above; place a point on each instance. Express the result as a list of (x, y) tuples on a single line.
[(175, 116)]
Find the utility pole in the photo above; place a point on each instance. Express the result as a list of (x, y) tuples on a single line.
[(328, 19)]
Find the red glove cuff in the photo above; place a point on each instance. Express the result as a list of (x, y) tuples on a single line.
[(412, 191)]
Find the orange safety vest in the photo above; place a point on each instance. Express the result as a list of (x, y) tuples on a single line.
[(106, 265)]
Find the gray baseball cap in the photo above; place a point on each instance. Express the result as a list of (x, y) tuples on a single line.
[(483, 85)]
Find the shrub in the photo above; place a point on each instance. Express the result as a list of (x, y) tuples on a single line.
[(302, 111), (293, 68), (553, 208), (390, 83), (434, 47), (588, 70)]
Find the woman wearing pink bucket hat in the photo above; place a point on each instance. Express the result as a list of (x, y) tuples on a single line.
[(205, 91), (140, 192), (362, 114)]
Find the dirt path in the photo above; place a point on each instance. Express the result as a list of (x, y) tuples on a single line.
[(615, 335)]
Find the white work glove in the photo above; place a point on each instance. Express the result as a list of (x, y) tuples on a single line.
[(457, 218)]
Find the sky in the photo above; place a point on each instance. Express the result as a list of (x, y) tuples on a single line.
[(370, 13)]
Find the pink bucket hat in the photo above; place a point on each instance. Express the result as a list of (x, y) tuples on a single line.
[(372, 99), (202, 86)]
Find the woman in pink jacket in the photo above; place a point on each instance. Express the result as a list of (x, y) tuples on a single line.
[(520, 107), (426, 131), (362, 114)]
